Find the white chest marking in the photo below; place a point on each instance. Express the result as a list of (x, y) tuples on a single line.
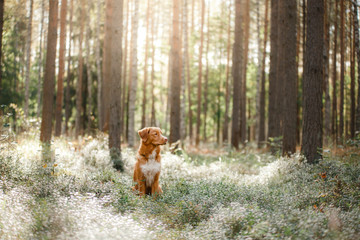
[(151, 168)]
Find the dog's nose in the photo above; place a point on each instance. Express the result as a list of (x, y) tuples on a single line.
[(166, 139)]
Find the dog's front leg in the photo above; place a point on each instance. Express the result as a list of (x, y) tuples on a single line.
[(155, 188)]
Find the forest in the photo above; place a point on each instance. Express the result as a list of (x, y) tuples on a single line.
[(257, 104)]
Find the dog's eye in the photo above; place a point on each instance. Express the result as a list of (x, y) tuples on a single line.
[(155, 134)]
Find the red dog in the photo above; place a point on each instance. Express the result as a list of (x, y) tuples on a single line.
[(148, 165)]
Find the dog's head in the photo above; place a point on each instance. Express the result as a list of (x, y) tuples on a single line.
[(152, 135)]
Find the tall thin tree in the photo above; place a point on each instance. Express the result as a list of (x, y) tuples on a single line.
[(342, 67), (199, 91), (98, 67), (287, 74), (334, 80), (237, 68), (49, 78), (176, 75), (115, 81), (1, 36), (40, 74), (313, 78), (28, 58), (60, 85), (357, 49), (88, 67)]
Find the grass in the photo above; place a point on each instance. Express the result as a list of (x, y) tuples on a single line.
[(229, 195)]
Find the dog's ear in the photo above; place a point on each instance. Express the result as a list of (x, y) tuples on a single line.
[(144, 133)]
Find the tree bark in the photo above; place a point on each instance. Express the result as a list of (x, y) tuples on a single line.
[(342, 68), (274, 118), (98, 68), (334, 100), (115, 83), (313, 77), (199, 92), (153, 34), (49, 78), (79, 107), (183, 72), (206, 74), (176, 75), (133, 75), (2, 3), (68, 78), (287, 72), (60, 85), (352, 74), (327, 109), (28, 59), (357, 49), (237, 75), (258, 73), (261, 139)]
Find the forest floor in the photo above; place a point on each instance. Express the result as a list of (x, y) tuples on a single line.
[(208, 194)]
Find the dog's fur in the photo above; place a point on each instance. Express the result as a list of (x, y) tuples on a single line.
[(148, 164)]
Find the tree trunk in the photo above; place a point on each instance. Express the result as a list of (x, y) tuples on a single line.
[(124, 74), (334, 100), (261, 139), (183, 72), (243, 127), (237, 75), (153, 34), (79, 107), (352, 70), (274, 118), (1, 36), (206, 73), (98, 68), (68, 78), (115, 81), (88, 69), (40, 75), (49, 78), (313, 77), (227, 82), (357, 49), (105, 111), (327, 110), (258, 73), (199, 93), (187, 62), (28, 59), (176, 75), (143, 118), (287, 72), (60, 86), (133, 75), (342, 68)]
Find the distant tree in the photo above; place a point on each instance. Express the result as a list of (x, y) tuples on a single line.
[(115, 82), (237, 68), (1, 36), (68, 77), (313, 80), (176, 75), (227, 82), (205, 106), (88, 68), (60, 86), (105, 108), (79, 87), (352, 74), (28, 58), (153, 54), (357, 49), (40, 74), (327, 107), (49, 78), (143, 117), (186, 62), (342, 67), (261, 137), (334, 98), (98, 67), (287, 71), (133, 75), (199, 91)]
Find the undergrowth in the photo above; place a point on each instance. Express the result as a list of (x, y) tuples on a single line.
[(235, 195)]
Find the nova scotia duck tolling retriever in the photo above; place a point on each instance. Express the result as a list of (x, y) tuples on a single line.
[(148, 164)]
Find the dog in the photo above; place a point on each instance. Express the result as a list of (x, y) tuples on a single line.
[(148, 164)]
